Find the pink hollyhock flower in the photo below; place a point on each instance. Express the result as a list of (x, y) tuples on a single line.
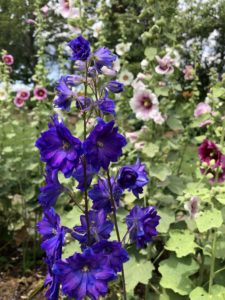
[(208, 151), (139, 145), (188, 72), (144, 104), (202, 108), (67, 10), (19, 102), (8, 59), (40, 93), (132, 136), (205, 123), (23, 94), (45, 10), (158, 118), (192, 206), (30, 21), (165, 65)]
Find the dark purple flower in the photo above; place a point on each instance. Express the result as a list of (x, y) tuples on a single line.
[(51, 281), (104, 57), (100, 228), (115, 86), (115, 253), (52, 234), (58, 148), (51, 191), (83, 103), (208, 151), (80, 47), (85, 274), (64, 94), (142, 224), (79, 175), (133, 177), (100, 194), (103, 145), (107, 106)]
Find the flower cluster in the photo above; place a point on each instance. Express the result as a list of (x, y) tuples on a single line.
[(88, 273), (213, 161)]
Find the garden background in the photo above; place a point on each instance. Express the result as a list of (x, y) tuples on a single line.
[(174, 52)]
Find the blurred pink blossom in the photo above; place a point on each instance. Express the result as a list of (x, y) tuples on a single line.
[(30, 21), (139, 145), (192, 206), (8, 59), (67, 10), (165, 65), (144, 104), (202, 108), (40, 93), (158, 118), (45, 10), (23, 94), (188, 72), (19, 102)]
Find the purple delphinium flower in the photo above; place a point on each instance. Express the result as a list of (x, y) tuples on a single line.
[(58, 148), (103, 145), (133, 177), (51, 280), (51, 191), (81, 48), (142, 224), (103, 57), (64, 94), (83, 103), (208, 151), (52, 232), (85, 274), (79, 175), (100, 194), (106, 105), (100, 228), (115, 86), (115, 253)]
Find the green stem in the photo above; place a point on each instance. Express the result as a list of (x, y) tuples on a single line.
[(212, 266), (117, 230)]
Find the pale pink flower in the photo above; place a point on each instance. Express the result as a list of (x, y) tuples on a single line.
[(205, 123), (144, 104), (45, 10), (158, 118), (108, 72), (165, 66), (192, 206), (132, 136), (19, 102), (188, 72), (8, 59), (139, 145), (40, 93), (202, 108), (23, 94), (30, 21), (67, 10)]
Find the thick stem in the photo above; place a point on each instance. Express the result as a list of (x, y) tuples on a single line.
[(212, 266), (117, 230), (84, 161)]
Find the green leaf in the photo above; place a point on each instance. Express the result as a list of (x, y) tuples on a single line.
[(162, 91), (218, 293), (176, 185), (70, 248), (167, 217), (71, 218), (137, 269), (220, 246), (182, 242), (209, 219), (160, 171), (175, 274), (150, 53), (174, 123), (218, 92), (150, 150)]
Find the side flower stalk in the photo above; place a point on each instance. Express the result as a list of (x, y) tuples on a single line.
[(100, 260)]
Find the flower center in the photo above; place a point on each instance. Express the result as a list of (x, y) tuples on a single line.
[(125, 77), (100, 144), (147, 102), (85, 269), (66, 145), (41, 93)]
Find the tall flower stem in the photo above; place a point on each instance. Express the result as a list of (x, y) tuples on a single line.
[(117, 230), (84, 160), (212, 266)]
